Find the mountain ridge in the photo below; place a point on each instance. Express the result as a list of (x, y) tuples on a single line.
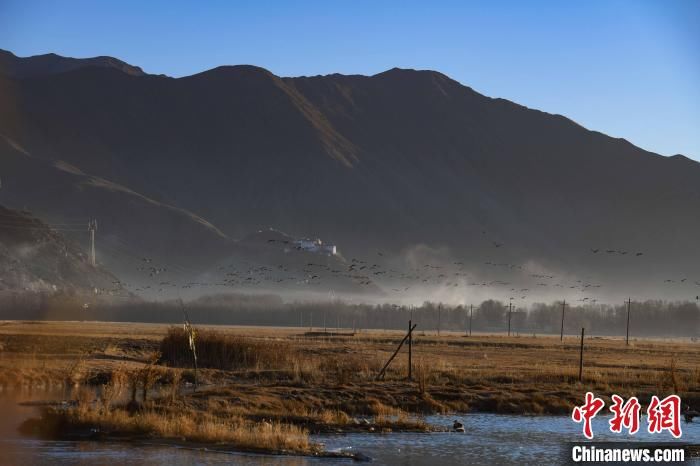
[(104, 61), (51, 63), (387, 162)]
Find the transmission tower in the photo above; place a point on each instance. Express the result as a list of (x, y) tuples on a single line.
[(92, 228)]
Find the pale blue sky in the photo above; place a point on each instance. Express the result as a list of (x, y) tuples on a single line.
[(627, 68)]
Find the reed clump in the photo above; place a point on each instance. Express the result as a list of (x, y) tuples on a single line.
[(189, 426), (216, 350)]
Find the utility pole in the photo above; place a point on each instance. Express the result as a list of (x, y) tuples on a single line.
[(466, 328), (471, 313), (627, 336), (439, 309), (563, 306), (92, 227), (410, 351), (331, 298), (510, 312)]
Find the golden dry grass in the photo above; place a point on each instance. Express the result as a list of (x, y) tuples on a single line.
[(193, 427), (265, 389), (218, 350), (299, 375)]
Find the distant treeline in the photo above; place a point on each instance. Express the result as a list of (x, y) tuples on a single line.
[(648, 318)]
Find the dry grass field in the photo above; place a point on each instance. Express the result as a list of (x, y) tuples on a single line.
[(268, 387)]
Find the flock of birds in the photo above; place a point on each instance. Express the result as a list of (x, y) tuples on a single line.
[(616, 251), (302, 270), (310, 270)]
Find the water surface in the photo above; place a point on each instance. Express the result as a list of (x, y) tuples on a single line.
[(489, 439)]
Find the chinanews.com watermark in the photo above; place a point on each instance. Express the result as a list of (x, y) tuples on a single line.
[(631, 452), (662, 415)]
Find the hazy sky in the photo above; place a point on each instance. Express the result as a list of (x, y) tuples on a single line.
[(627, 68)]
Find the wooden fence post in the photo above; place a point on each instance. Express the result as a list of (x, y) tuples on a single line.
[(580, 359), (410, 349), (627, 336), (563, 307), (471, 313), (510, 312), (383, 371)]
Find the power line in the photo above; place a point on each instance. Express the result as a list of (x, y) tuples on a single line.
[(17, 227), (38, 224)]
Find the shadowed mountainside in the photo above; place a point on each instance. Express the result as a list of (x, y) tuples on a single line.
[(153, 246), (384, 162), (132, 229), (34, 257)]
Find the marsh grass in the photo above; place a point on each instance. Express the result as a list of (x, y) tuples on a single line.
[(280, 374), (113, 390), (192, 427), (401, 421), (216, 350), (148, 375)]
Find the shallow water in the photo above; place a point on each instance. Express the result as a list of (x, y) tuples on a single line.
[(492, 439), (489, 439)]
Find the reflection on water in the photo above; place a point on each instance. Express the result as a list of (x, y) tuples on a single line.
[(489, 439), (45, 453)]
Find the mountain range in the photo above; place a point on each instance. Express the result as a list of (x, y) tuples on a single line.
[(408, 166)]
